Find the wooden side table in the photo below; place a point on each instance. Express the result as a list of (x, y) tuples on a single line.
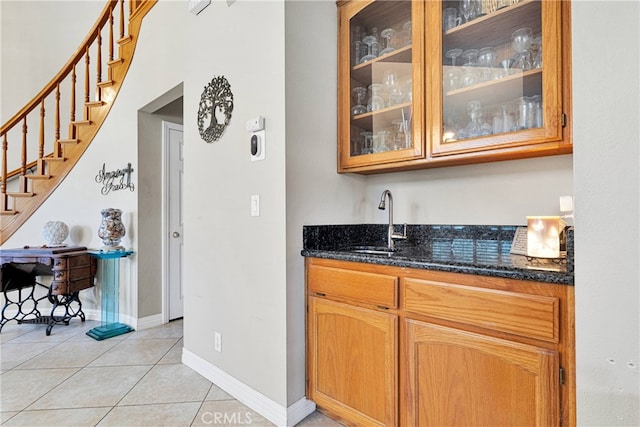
[(109, 277), (72, 269)]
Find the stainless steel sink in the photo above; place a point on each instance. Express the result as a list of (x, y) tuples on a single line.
[(372, 250)]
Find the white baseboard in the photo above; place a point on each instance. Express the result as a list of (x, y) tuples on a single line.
[(277, 414), (147, 322)]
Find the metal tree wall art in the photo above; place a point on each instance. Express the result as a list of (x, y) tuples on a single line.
[(216, 106)]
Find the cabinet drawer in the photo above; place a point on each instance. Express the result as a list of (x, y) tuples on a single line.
[(72, 262), (526, 315), (69, 287), (373, 288)]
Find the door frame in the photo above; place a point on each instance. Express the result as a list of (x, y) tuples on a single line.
[(166, 232)]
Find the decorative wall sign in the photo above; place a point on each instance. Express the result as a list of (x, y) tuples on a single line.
[(216, 106), (118, 179)]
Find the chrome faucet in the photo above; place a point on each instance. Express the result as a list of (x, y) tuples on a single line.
[(391, 235)]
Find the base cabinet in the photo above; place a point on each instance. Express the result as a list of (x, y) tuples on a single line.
[(353, 368), (464, 379), (399, 346)]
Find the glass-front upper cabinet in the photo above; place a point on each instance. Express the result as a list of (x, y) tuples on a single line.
[(501, 86), (380, 82)]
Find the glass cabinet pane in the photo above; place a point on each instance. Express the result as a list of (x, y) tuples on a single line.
[(492, 69), (381, 87)]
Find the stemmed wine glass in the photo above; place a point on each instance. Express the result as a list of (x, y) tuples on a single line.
[(521, 40), (487, 57), (372, 43), (468, 9), (359, 98), (387, 34), (471, 57), (452, 74), (536, 52), (453, 54)]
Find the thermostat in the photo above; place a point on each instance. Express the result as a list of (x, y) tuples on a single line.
[(257, 145)]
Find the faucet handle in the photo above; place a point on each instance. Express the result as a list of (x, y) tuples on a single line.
[(399, 236)]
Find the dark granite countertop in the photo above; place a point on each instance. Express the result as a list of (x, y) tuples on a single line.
[(471, 249)]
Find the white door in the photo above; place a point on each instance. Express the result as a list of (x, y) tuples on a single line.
[(172, 136)]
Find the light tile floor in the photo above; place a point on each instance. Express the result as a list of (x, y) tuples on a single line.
[(136, 379)]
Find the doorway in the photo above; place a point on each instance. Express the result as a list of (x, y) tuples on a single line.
[(154, 233)]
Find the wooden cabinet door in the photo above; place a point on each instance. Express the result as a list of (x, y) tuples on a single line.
[(385, 123), (353, 359), (458, 378)]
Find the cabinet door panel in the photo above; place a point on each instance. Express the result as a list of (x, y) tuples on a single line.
[(380, 83), (460, 378), (353, 362), (486, 105)]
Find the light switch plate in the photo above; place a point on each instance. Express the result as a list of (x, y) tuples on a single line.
[(255, 205)]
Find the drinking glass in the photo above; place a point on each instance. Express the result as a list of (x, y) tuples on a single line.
[(387, 35), (450, 19), (505, 67), (357, 52), (468, 9), (471, 57), (393, 87), (359, 97), (367, 145), (452, 75), (406, 33), (536, 52), (453, 54), (376, 101), (487, 57), (372, 47), (477, 126), (469, 76), (521, 40)]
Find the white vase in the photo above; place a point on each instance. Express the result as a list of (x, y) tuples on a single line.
[(111, 229), (54, 233)]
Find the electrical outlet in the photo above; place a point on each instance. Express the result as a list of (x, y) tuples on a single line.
[(217, 342)]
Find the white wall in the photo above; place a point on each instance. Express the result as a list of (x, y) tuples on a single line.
[(316, 194), (607, 138), (244, 275), (31, 43), (235, 270), (492, 193)]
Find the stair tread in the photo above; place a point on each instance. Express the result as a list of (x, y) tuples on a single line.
[(94, 103), (8, 212), (19, 194), (68, 141), (54, 159), (81, 122), (124, 40), (37, 176), (115, 61)]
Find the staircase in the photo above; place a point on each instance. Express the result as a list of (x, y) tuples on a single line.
[(34, 163)]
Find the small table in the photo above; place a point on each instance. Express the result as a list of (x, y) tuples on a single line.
[(72, 269), (109, 270)]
